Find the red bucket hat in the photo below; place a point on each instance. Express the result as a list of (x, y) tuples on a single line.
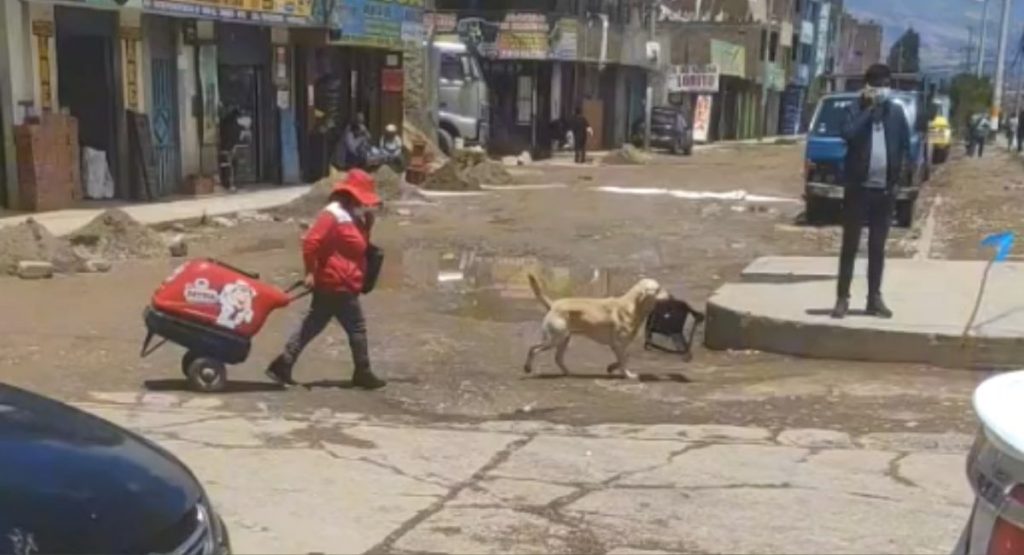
[(360, 185)]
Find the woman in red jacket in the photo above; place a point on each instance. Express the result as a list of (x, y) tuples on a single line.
[(334, 254)]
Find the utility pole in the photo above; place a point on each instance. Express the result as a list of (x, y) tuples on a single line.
[(980, 70), (649, 105), (764, 77), (970, 48), (997, 96)]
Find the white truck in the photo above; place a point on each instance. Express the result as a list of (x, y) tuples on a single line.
[(463, 111)]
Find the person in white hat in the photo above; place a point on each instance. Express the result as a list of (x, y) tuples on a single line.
[(391, 148)]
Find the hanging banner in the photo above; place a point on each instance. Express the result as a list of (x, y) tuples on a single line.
[(377, 23), (523, 36), (776, 77), (730, 58), (291, 12), (700, 79), (208, 80), (565, 45), (702, 118)]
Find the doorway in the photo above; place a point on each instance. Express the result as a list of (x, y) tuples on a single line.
[(86, 77), (240, 90), (161, 33)]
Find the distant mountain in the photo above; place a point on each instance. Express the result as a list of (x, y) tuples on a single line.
[(943, 27)]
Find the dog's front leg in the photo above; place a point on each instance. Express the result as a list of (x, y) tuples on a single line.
[(622, 359)]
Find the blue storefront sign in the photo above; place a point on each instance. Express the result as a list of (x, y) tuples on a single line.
[(377, 23)]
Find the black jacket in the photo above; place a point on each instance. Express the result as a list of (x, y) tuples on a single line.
[(857, 133)]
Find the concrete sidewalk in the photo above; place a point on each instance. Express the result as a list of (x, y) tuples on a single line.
[(333, 482), (782, 305), (61, 222)]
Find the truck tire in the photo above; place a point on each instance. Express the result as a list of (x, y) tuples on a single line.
[(445, 142), (905, 212), (816, 211)]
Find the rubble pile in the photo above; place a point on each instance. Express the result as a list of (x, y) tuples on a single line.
[(114, 235), (449, 177), (389, 183), (29, 241), (312, 201), (490, 172), (628, 155)]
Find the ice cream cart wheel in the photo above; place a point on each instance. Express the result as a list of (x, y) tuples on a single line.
[(186, 360), (207, 375)]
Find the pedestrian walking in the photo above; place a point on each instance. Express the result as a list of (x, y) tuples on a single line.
[(581, 133), (1020, 132), (980, 128), (1009, 129), (877, 138), (334, 252)]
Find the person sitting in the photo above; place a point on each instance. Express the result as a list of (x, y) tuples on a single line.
[(391, 148), (355, 145)]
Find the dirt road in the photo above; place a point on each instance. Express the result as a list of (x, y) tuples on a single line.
[(453, 318)]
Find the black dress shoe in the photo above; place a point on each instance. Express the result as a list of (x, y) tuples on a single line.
[(876, 307), (365, 379), (841, 308), (280, 372)]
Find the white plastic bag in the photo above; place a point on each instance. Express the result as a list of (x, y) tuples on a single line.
[(99, 183)]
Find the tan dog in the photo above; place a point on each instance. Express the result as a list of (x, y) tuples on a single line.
[(612, 321)]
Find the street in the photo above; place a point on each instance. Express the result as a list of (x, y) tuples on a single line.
[(463, 453)]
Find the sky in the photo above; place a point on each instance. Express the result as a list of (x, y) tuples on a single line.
[(943, 26)]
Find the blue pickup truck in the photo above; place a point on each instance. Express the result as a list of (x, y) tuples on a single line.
[(826, 150)]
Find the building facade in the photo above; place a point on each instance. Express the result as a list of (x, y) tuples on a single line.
[(542, 59), (150, 82), (743, 52)]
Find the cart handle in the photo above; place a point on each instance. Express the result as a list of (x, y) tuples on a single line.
[(300, 284)]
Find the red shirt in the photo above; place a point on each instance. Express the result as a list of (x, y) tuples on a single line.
[(334, 251)]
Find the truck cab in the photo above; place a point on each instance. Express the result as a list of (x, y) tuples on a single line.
[(940, 133), (462, 102), (824, 180)]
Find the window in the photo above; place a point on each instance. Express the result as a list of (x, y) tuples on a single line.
[(524, 100), (451, 68)]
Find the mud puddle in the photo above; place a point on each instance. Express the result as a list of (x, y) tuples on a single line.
[(489, 287)]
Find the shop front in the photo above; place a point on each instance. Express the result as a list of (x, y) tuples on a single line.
[(356, 67)]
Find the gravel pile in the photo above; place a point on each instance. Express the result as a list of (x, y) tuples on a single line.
[(490, 172), (628, 155), (114, 235), (30, 241), (450, 178)]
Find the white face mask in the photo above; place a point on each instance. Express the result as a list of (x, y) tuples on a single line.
[(882, 93)]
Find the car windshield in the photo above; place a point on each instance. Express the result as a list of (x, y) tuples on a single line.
[(830, 116)]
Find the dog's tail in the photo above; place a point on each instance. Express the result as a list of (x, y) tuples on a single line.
[(539, 293)]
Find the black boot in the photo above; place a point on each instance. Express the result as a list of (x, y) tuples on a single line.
[(280, 372), (365, 379), (841, 308), (876, 307)]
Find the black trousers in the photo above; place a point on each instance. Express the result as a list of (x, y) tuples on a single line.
[(581, 153), (323, 307), (861, 204)]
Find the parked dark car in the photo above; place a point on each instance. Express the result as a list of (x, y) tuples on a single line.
[(71, 482), (672, 130)]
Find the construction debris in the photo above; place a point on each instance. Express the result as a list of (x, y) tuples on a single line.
[(30, 241), (114, 235), (449, 177), (490, 172), (34, 269), (628, 155)]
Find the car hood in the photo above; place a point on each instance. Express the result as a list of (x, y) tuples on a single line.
[(74, 483), (821, 148)]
